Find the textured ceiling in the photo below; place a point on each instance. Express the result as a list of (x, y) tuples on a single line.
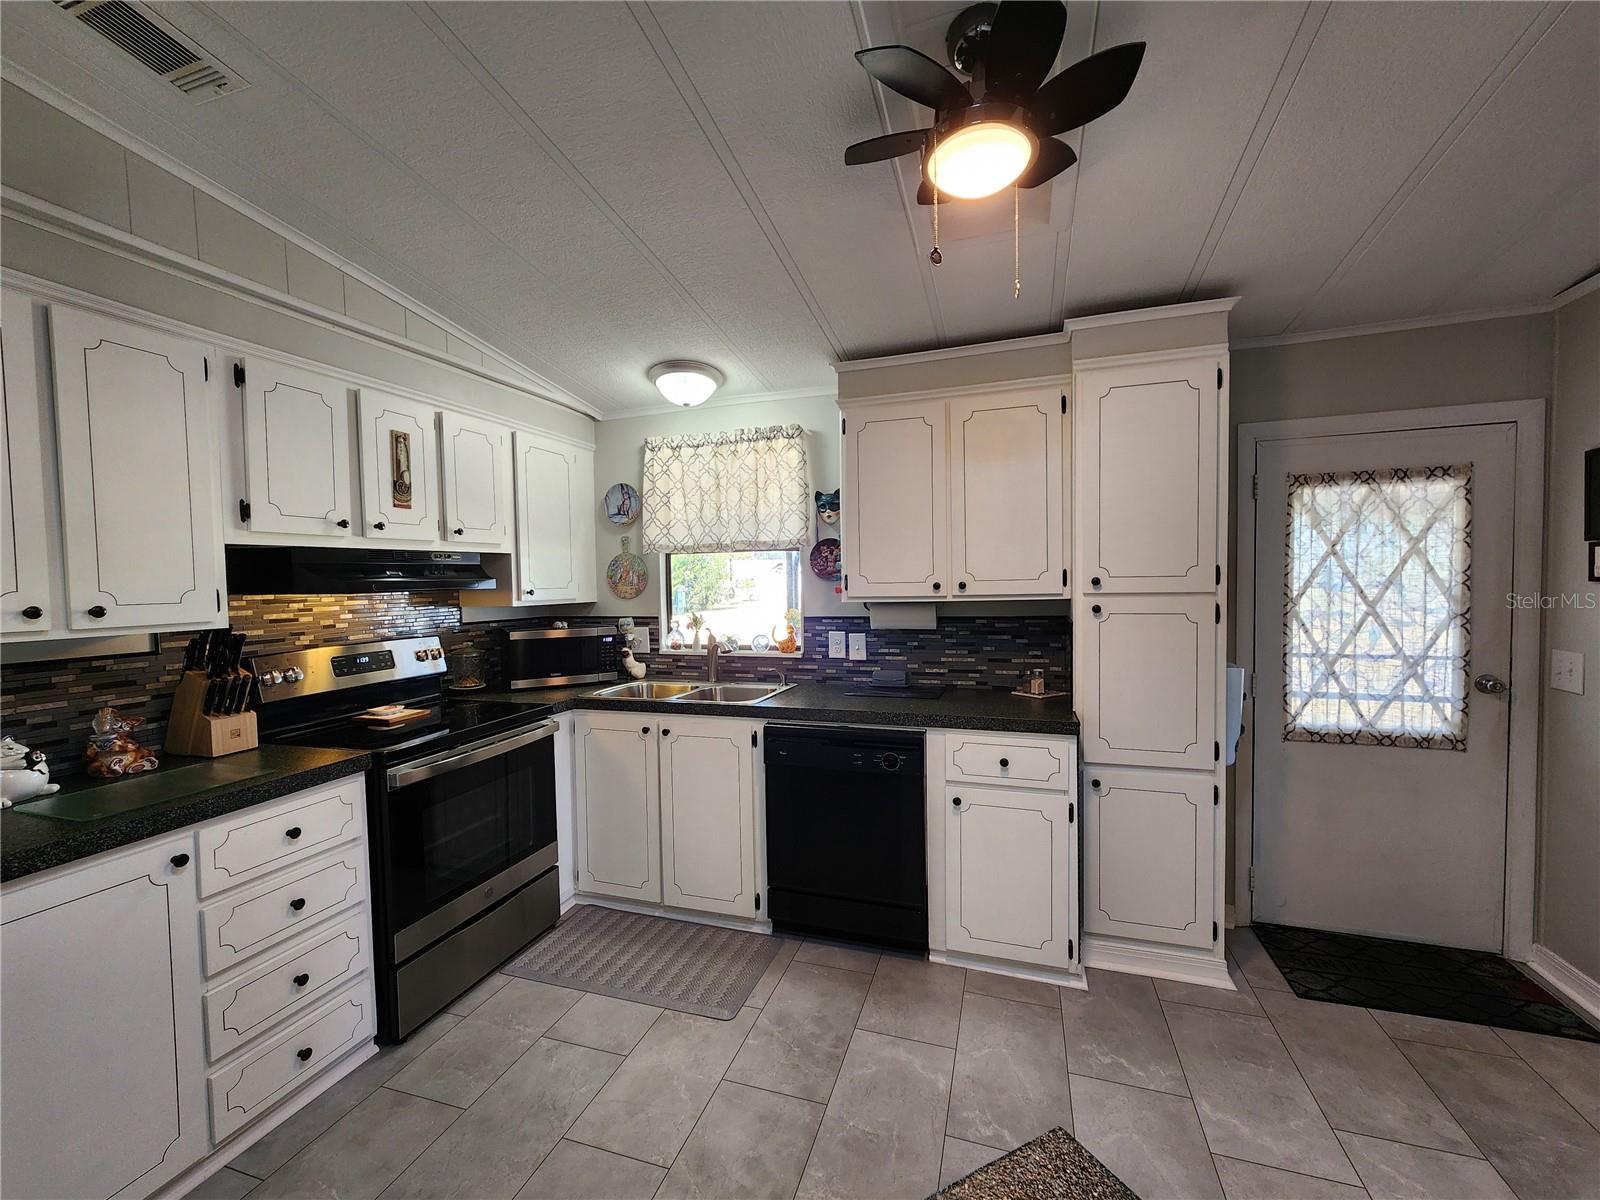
[(593, 187)]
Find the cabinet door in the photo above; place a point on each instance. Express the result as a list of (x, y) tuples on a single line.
[(1009, 874), (548, 550), (296, 450), (708, 814), (25, 562), (585, 507), (100, 1057), (619, 810), (138, 475), (1145, 673), (1148, 854), (1005, 494), (477, 481), (399, 467), (1146, 475), (895, 501)]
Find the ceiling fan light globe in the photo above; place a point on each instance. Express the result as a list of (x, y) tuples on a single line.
[(979, 159), (684, 383)]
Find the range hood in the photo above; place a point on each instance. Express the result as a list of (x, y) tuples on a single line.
[(325, 570)]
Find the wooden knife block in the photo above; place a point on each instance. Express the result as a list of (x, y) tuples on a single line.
[(190, 731)]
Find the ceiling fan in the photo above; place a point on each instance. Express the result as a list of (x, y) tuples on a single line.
[(1002, 128)]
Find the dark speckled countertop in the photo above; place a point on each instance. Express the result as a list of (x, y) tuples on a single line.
[(989, 710), (183, 791)]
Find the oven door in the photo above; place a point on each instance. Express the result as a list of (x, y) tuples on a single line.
[(467, 827)]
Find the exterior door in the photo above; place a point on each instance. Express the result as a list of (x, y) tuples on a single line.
[(619, 806), (1383, 563), (24, 551), (296, 450), (896, 541), (477, 481), (138, 475), (1005, 494), (708, 814), (547, 520), (399, 468)]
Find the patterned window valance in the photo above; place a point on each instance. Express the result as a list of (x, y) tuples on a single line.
[(1377, 607), (745, 489)]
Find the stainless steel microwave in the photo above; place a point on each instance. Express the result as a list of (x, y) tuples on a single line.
[(540, 658)]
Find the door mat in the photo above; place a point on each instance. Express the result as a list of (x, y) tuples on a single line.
[(1425, 981), (681, 965), (1054, 1166)]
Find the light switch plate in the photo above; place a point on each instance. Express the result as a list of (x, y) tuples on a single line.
[(835, 643), (1566, 671), (858, 646)]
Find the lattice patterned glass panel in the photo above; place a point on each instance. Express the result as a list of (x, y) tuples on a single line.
[(1377, 607)]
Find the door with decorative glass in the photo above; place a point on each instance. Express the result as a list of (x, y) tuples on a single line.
[(1383, 565)]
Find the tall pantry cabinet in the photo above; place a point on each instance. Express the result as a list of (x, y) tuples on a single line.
[(1150, 419)]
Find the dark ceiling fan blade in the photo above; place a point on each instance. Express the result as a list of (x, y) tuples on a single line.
[(890, 145), (915, 76), (1023, 40), (1087, 89), (1053, 158)]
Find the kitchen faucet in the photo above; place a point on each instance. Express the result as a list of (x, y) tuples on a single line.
[(711, 657)]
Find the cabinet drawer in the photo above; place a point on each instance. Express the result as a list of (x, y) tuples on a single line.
[(978, 758), (286, 985), (285, 832), (261, 916), (247, 1089)]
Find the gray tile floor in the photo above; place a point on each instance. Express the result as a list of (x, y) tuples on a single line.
[(855, 1074)]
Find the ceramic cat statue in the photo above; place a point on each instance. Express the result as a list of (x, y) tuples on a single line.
[(24, 774)]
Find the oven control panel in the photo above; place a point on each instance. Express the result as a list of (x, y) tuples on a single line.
[(362, 664), (331, 668)]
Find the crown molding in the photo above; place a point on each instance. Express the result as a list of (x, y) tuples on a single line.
[(944, 354), (1135, 316), (663, 408), (1577, 291), (1401, 326)]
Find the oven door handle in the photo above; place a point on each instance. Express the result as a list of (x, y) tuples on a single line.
[(475, 753)]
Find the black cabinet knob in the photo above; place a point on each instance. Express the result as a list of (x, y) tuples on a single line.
[(646, 729), (303, 1054), (301, 980), (98, 611), (33, 612), (459, 531), (1095, 784), (180, 861), (1096, 609), (962, 586), (379, 525), (936, 587), (297, 903), (343, 523), (956, 801), (666, 732), (1095, 581), (1004, 763), (292, 832)]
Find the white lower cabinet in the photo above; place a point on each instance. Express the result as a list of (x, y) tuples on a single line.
[(708, 810), (1149, 849), (666, 810), (122, 1064)]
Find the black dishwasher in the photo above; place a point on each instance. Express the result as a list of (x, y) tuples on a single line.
[(846, 845)]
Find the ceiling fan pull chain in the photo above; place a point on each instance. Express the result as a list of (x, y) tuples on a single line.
[(1016, 241), (935, 257)]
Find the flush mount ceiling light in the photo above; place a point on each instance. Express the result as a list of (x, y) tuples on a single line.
[(686, 383), (981, 151)]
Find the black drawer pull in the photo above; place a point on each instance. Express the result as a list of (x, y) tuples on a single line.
[(180, 861), (1096, 609), (33, 612), (646, 729), (379, 525), (459, 531), (303, 1054), (666, 732), (1095, 784), (301, 980), (292, 832), (1095, 581), (343, 523), (962, 586), (98, 611), (1004, 763), (297, 903), (956, 801), (936, 587)]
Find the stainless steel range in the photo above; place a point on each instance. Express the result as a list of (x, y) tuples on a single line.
[(461, 812)]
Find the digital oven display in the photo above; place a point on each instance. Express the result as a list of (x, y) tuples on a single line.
[(362, 664)]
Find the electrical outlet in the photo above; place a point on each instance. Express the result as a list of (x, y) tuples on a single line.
[(835, 643), (1566, 671), (858, 646)]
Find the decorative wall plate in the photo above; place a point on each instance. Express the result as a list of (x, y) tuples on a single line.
[(825, 560), (622, 504), (626, 574)]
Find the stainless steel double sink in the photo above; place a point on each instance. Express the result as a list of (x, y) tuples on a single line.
[(700, 693)]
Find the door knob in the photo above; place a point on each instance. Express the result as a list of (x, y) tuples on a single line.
[(1491, 685)]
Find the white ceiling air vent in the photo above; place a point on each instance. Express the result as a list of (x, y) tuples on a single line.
[(135, 29)]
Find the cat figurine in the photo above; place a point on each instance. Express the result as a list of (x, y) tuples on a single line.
[(828, 507)]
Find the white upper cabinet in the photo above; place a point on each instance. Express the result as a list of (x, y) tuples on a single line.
[(139, 516), (476, 459), (550, 555), (1146, 474), (708, 807), (1145, 679), (399, 467), (1149, 855), (25, 560), (297, 450), (1006, 469), (618, 802), (895, 501)]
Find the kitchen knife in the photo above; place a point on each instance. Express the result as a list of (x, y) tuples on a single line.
[(238, 692), (235, 651), (208, 706), (202, 646), (191, 651)]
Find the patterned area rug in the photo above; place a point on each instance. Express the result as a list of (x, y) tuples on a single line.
[(680, 965), (1052, 1167), (1425, 981)]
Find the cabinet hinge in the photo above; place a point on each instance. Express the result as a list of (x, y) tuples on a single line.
[(244, 511), (1252, 694), (1216, 751), (1063, 577), (758, 901), (1071, 949), (1071, 812), (752, 737), (1213, 931), (219, 599), (238, 374), (1219, 614), (206, 364), (1255, 487), (1219, 574), (1252, 880), (1219, 378), (1216, 796), (841, 424), (1063, 404), (847, 584)]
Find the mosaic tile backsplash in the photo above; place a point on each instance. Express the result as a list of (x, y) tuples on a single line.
[(49, 705)]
